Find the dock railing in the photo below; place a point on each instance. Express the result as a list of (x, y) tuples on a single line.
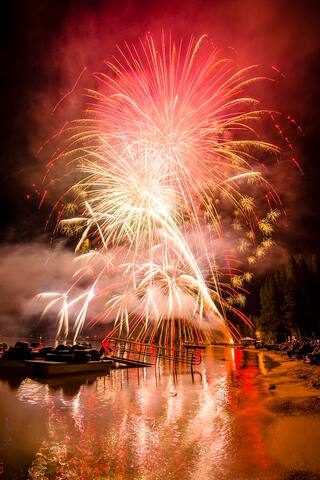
[(138, 351)]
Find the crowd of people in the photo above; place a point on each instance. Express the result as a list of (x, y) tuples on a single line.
[(302, 348)]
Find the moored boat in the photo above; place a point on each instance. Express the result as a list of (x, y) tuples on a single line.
[(12, 366), (36, 360), (13, 358)]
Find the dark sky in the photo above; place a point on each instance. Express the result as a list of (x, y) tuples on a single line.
[(45, 43)]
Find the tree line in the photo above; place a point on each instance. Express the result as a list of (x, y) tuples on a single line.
[(289, 300)]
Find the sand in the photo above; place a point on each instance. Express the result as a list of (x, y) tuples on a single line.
[(293, 436)]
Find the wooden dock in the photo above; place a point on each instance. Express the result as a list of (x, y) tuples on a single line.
[(133, 354), (129, 362), (43, 368), (194, 346)]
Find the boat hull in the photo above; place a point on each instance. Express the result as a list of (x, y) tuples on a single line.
[(8, 367)]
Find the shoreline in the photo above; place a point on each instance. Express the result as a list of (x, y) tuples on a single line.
[(293, 376), (293, 402), (294, 387)]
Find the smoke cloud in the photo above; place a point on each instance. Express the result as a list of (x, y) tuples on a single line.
[(25, 270)]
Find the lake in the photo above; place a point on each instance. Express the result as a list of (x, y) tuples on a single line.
[(143, 424)]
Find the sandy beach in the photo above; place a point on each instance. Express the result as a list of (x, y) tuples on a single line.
[(293, 434)]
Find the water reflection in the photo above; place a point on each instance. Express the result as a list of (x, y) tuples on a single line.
[(143, 423)]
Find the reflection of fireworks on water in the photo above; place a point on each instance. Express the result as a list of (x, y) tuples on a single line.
[(167, 151), (185, 421)]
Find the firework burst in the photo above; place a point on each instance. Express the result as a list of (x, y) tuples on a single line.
[(170, 161)]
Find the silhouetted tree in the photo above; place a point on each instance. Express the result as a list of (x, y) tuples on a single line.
[(289, 300), (270, 321)]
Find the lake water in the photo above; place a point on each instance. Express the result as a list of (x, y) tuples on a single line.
[(143, 424)]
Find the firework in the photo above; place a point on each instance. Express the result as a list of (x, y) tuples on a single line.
[(170, 164)]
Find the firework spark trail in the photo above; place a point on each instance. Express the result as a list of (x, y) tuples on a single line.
[(70, 91), (168, 141)]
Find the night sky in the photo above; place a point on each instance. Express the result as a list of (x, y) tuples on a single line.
[(44, 45)]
